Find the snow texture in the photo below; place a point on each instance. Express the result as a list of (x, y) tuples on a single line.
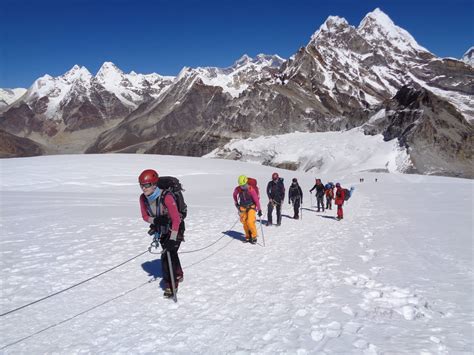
[(394, 276)]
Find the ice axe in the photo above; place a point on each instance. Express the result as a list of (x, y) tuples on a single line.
[(261, 228), (173, 286)]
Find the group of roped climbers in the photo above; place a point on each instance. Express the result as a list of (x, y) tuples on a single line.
[(159, 208), (328, 191), (247, 201)]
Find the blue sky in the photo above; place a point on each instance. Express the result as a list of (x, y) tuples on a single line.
[(49, 37)]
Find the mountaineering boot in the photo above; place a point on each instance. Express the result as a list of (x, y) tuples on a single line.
[(253, 241), (168, 293)]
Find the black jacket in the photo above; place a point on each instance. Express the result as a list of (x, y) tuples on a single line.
[(276, 190), (319, 189), (295, 192)]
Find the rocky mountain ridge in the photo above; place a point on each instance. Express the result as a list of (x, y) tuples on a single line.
[(341, 79)]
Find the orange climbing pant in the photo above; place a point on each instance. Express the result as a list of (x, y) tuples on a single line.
[(248, 217)]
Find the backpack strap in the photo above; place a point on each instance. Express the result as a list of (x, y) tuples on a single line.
[(148, 207), (161, 200)]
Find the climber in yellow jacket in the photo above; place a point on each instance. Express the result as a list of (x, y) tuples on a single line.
[(247, 202)]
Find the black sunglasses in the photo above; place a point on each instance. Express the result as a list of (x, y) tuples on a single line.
[(146, 185)]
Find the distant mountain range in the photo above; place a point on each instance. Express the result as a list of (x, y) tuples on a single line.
[(374, 76)]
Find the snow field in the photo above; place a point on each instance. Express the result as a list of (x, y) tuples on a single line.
[(395, 276)]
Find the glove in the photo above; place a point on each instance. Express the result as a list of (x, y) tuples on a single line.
[(161, 221), (171, 243), (259, 213), (152, 230)]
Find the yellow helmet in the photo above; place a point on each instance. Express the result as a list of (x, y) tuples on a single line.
[(242, 180)]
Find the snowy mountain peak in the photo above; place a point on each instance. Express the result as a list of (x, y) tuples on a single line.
[(380, 17), (238, 77), (270, 60), (378, 27), (108, 67), (332, 24), (75, 73), (261, 59), (468, 57), (242, 61), (109, 72), (185, 71), (335, 21)]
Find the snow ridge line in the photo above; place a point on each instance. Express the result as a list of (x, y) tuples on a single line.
[(70, 287)]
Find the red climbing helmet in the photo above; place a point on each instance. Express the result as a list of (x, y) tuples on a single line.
[(148, 176), (275, 176)]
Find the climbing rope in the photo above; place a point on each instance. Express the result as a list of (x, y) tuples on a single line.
[(70, 287), (106, 271), (111, 299), (155, 243), (76, 315)]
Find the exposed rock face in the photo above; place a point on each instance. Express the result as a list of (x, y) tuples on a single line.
[(22, 120), (437, 137), (185, 113), (12, 146)]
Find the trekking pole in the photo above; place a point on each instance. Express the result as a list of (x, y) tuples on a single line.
[(301, 208), (173, 286), (261, 228)]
